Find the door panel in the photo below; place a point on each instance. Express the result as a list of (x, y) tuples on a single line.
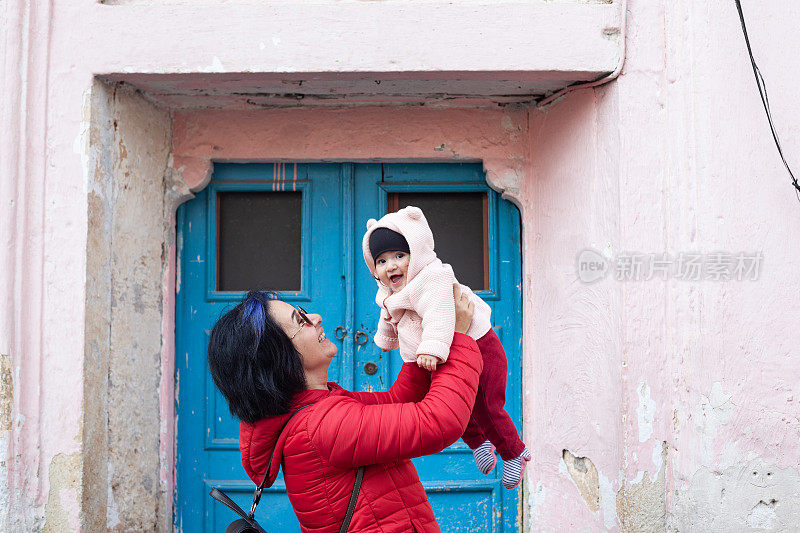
[(457, 490), (369, 202), (336, 201), (207, 448)]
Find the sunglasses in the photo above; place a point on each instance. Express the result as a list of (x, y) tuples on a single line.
[(302, 320)]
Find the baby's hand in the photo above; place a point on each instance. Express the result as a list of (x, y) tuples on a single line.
[(428, 362)]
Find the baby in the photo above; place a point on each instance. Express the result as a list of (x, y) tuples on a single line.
[(415, 294)]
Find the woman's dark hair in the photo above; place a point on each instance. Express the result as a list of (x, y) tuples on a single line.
[(252, 360)]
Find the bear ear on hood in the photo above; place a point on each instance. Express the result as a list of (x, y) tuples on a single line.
[(414, 213), (371, 222)]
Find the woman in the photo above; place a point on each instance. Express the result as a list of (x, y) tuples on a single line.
[(269, 358)]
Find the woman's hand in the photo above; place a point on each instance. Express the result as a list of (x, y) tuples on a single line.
[(464, 310)]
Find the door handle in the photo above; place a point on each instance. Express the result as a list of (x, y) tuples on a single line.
[(340, 332), (370, 368), (361, 338)]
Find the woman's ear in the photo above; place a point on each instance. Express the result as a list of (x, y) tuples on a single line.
[(371, 222)]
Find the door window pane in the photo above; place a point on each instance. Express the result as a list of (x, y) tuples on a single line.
[(258, 240), (459, 223)]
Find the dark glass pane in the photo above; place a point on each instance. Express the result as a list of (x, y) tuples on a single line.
[(458, 222), (258, 240)]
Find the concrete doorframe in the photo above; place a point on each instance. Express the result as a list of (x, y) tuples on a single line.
[(144, 161)]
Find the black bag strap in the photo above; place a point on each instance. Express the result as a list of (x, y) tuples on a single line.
[(351, 507), (227, 502), (230, 504)]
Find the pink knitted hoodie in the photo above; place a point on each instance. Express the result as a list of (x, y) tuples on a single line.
[(420, 318)]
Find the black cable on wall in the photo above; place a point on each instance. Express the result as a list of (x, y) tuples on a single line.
[(762, 90)]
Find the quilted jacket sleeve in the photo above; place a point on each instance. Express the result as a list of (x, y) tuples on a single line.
[(410, 386), (351, 434)]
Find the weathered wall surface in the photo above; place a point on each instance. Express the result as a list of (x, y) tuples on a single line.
[(41, 279), (493, 135), (736, 345), (98, 144), (126, 260), (143, 143), (674, 402)]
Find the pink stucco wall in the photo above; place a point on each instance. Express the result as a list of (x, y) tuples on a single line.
[(674, 156)]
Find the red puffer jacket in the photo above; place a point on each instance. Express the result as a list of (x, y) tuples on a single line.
[(323, 444)]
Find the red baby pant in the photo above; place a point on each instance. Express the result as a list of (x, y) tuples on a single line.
[(489, 419)]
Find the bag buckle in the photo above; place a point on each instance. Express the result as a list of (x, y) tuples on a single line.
[(256, 498)]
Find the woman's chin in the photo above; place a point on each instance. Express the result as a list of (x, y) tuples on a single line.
[(333, 349)]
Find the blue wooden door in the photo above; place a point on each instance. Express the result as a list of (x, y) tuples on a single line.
[(332, 204)]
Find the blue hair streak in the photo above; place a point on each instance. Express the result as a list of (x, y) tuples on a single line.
[(253, 313)]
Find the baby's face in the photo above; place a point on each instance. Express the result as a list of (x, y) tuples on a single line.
[(392, 269)]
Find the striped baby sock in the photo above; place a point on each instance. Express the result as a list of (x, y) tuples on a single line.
[(485, 457), (513, 469)]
